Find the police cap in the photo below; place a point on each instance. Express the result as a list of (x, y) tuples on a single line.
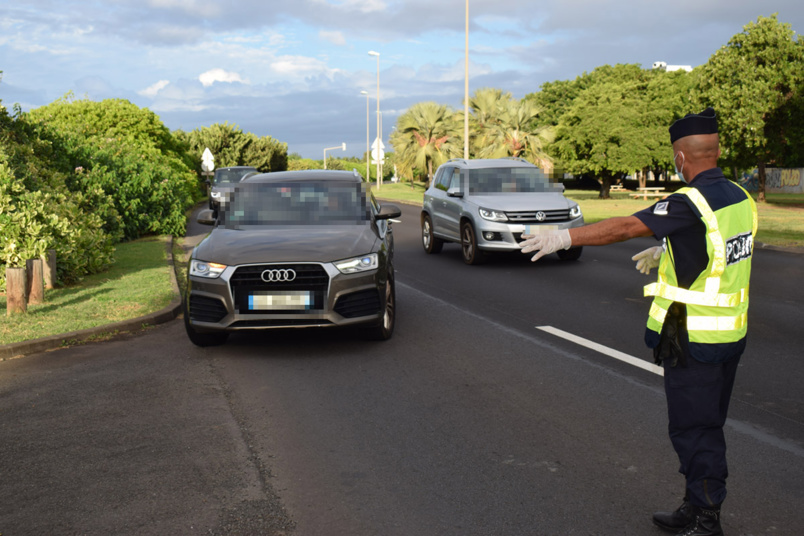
[(692, 124)]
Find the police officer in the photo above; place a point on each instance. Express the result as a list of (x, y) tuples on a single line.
[(697, 321)]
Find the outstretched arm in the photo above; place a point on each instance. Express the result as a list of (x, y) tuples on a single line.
[(597, 234), (609, 231)]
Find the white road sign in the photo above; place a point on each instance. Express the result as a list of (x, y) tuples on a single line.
[(207, 160)]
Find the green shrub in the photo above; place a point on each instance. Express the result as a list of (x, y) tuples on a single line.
[(132, 171), (34, 222)]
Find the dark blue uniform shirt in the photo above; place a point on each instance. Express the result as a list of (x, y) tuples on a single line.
[(677, 218)]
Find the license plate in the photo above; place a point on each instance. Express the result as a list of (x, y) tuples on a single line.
[(537, 229), (275, 301)]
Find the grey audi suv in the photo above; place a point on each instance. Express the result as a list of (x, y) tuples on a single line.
[(294, 249), (486, 205)]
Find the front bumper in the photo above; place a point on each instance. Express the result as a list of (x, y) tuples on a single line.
[(504, 236)]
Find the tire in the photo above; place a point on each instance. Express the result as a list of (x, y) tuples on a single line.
[(430, 243), (471, 254), (571, 254), (385, 330), (202, 339)]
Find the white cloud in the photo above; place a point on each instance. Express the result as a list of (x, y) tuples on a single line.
[(151, 91), (219, 75), (336, 38), (301, 66), (363, 6)]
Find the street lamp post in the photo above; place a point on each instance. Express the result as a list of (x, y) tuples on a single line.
[(341, 146), (368, 148), (466, 91), (379, 132)]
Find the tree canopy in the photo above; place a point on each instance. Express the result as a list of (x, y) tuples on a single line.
[(617, 123), (233, 147), (754, 84)]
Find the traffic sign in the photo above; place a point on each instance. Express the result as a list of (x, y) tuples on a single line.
[(207, 161), (374, 153)]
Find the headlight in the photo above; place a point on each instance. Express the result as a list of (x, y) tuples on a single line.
[(363, 263), (214, 195), (575, 212), (493, 215), (209, 270)]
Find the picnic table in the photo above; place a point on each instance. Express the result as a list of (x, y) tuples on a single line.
[(617, 188), (651, 191)]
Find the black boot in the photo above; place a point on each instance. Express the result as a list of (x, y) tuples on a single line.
[(706, 523), (675, 521)]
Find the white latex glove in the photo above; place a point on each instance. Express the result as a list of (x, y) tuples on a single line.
[(545, 243), (648, 259)]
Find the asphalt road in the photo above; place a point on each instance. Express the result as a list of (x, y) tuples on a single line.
[(472, 420)]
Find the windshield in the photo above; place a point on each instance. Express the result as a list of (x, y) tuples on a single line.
[(513, 179), (231, 176), (295, 203)]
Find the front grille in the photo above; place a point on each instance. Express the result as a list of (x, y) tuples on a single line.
[(205, 309), (530, 216), (247, 280), (362, 303)]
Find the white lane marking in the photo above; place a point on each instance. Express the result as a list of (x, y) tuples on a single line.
[(616, 354)]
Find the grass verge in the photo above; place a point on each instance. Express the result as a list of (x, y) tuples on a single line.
[(138, 283), (408, 192), (781, 217)]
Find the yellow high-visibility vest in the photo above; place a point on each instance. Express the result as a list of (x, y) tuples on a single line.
[(717, 301)]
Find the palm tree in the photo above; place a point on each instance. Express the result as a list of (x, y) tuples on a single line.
[(426, 136), (506, 127)]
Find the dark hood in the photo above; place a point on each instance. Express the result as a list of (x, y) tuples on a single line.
[(296, 243)]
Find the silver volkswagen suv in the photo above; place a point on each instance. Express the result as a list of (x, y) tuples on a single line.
[(487, 205)]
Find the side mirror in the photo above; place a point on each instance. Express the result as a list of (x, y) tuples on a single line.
[(388, 211), (454, 192), (205, 217)]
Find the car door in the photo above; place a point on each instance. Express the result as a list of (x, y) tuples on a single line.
[(452, 205), (438, 201)]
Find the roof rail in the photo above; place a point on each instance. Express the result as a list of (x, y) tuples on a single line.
[(464, 160), (519, 158)]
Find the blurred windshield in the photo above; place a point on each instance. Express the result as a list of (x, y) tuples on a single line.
[(231, 176), (295, 203), (513, 179)]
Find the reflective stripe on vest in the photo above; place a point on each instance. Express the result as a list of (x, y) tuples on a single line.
[(703, 323)]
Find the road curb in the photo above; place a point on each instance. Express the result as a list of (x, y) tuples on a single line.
[(20, 349)]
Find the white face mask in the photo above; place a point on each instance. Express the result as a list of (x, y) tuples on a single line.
[(679, 171)]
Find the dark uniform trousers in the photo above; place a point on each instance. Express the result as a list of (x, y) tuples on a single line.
[(698, 397)]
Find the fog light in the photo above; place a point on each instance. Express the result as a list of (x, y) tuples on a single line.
[(489, 236)]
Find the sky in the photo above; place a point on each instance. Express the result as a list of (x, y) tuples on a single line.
[(294, 69)]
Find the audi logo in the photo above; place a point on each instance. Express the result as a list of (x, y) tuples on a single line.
[(278, 276), (540, 216)]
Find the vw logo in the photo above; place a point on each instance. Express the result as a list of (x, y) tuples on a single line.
[(541, 216), (278, 276)]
